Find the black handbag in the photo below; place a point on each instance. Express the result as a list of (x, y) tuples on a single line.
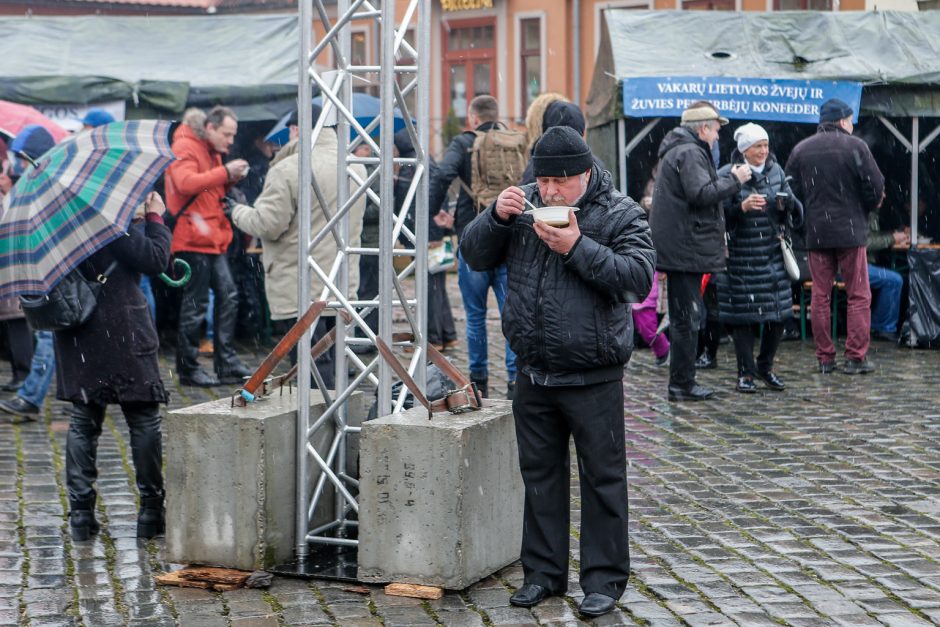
[(68, 305)]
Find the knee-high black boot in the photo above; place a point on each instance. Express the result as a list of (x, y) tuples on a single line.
[(143, 421), (81, 449)]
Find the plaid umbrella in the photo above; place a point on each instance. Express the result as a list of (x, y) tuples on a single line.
[(78, 197)]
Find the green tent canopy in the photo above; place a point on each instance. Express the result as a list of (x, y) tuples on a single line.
[(895, 55), (248, 62)]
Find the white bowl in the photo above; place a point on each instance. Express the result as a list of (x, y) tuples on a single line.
[(552, 216), (924, 240)]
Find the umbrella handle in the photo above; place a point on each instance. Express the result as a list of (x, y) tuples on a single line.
[(187, 273)]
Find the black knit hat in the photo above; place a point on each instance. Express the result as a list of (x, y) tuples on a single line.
[(561, 152), (834, 110), (562, 113)]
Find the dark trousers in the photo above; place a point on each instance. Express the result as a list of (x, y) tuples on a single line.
[(208, 271), (369, 289), (440, 318), (685, 312), (545, 418), (710, 328), (325, 363), (20, 340), (852, 263), (743, 336), (81, 449)]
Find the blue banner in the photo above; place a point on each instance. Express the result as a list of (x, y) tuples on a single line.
[(736, 98)]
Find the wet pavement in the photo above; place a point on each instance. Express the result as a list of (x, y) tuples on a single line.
[(819, 505)]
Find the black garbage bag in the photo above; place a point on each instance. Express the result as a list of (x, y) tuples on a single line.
[(924, 308), (439, 384)]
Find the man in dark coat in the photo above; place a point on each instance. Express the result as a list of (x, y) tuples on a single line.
[(836, 176), (688, 229), (112, 358), (474, 286), (568, 319)]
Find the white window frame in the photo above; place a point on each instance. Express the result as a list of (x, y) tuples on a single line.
[(517, 61), (366, 31), (617, 4)]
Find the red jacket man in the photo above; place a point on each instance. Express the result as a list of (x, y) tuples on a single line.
[(198, 177), (196, 184)]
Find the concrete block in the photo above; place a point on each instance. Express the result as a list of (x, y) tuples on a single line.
[(440, 501), (230, 480)]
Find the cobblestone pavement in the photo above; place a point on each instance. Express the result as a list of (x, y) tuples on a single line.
[(815, 506)]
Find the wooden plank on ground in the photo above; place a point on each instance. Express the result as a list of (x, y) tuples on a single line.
[(174, 579), (414, 590), (227, 576), (225, 587)]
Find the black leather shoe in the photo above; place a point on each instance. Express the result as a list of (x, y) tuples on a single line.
[(746, 385), (234, 373), (694, 393), (790, 334), (662, 361), (858, 366), (884, 336), (772, 381), (19, 407), (597, 604), (529, 594), (706, 362), (200, 379), (827, 367)]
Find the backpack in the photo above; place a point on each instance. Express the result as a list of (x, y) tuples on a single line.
[(498, 160)]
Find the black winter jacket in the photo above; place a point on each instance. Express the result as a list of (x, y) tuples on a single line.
[(112, 358), (687, 220), (456, 163), (756, 286), (839, 182), (570, 314)]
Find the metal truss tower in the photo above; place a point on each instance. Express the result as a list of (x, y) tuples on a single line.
[(402, 73)]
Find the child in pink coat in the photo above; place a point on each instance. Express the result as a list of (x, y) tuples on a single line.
[(646, 323)]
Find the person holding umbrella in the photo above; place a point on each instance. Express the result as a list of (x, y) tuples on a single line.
[(59, 219), (32, 142)]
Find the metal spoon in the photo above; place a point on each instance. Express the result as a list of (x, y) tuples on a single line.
[(526, 200)]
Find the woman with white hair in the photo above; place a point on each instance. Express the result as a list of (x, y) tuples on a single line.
[(755, 290)]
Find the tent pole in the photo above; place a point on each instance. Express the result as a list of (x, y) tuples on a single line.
[(915, 159), (622, 154), (894, 131), (930, 137)]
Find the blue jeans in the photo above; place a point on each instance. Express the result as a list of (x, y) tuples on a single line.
[(887, 308), (147, 289), (210, 325), (36, 384), (474, 288)]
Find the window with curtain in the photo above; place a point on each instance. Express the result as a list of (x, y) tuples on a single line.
[(530, 51)]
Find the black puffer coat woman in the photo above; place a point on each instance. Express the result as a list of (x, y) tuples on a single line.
[(112, 358), (755, 289)]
